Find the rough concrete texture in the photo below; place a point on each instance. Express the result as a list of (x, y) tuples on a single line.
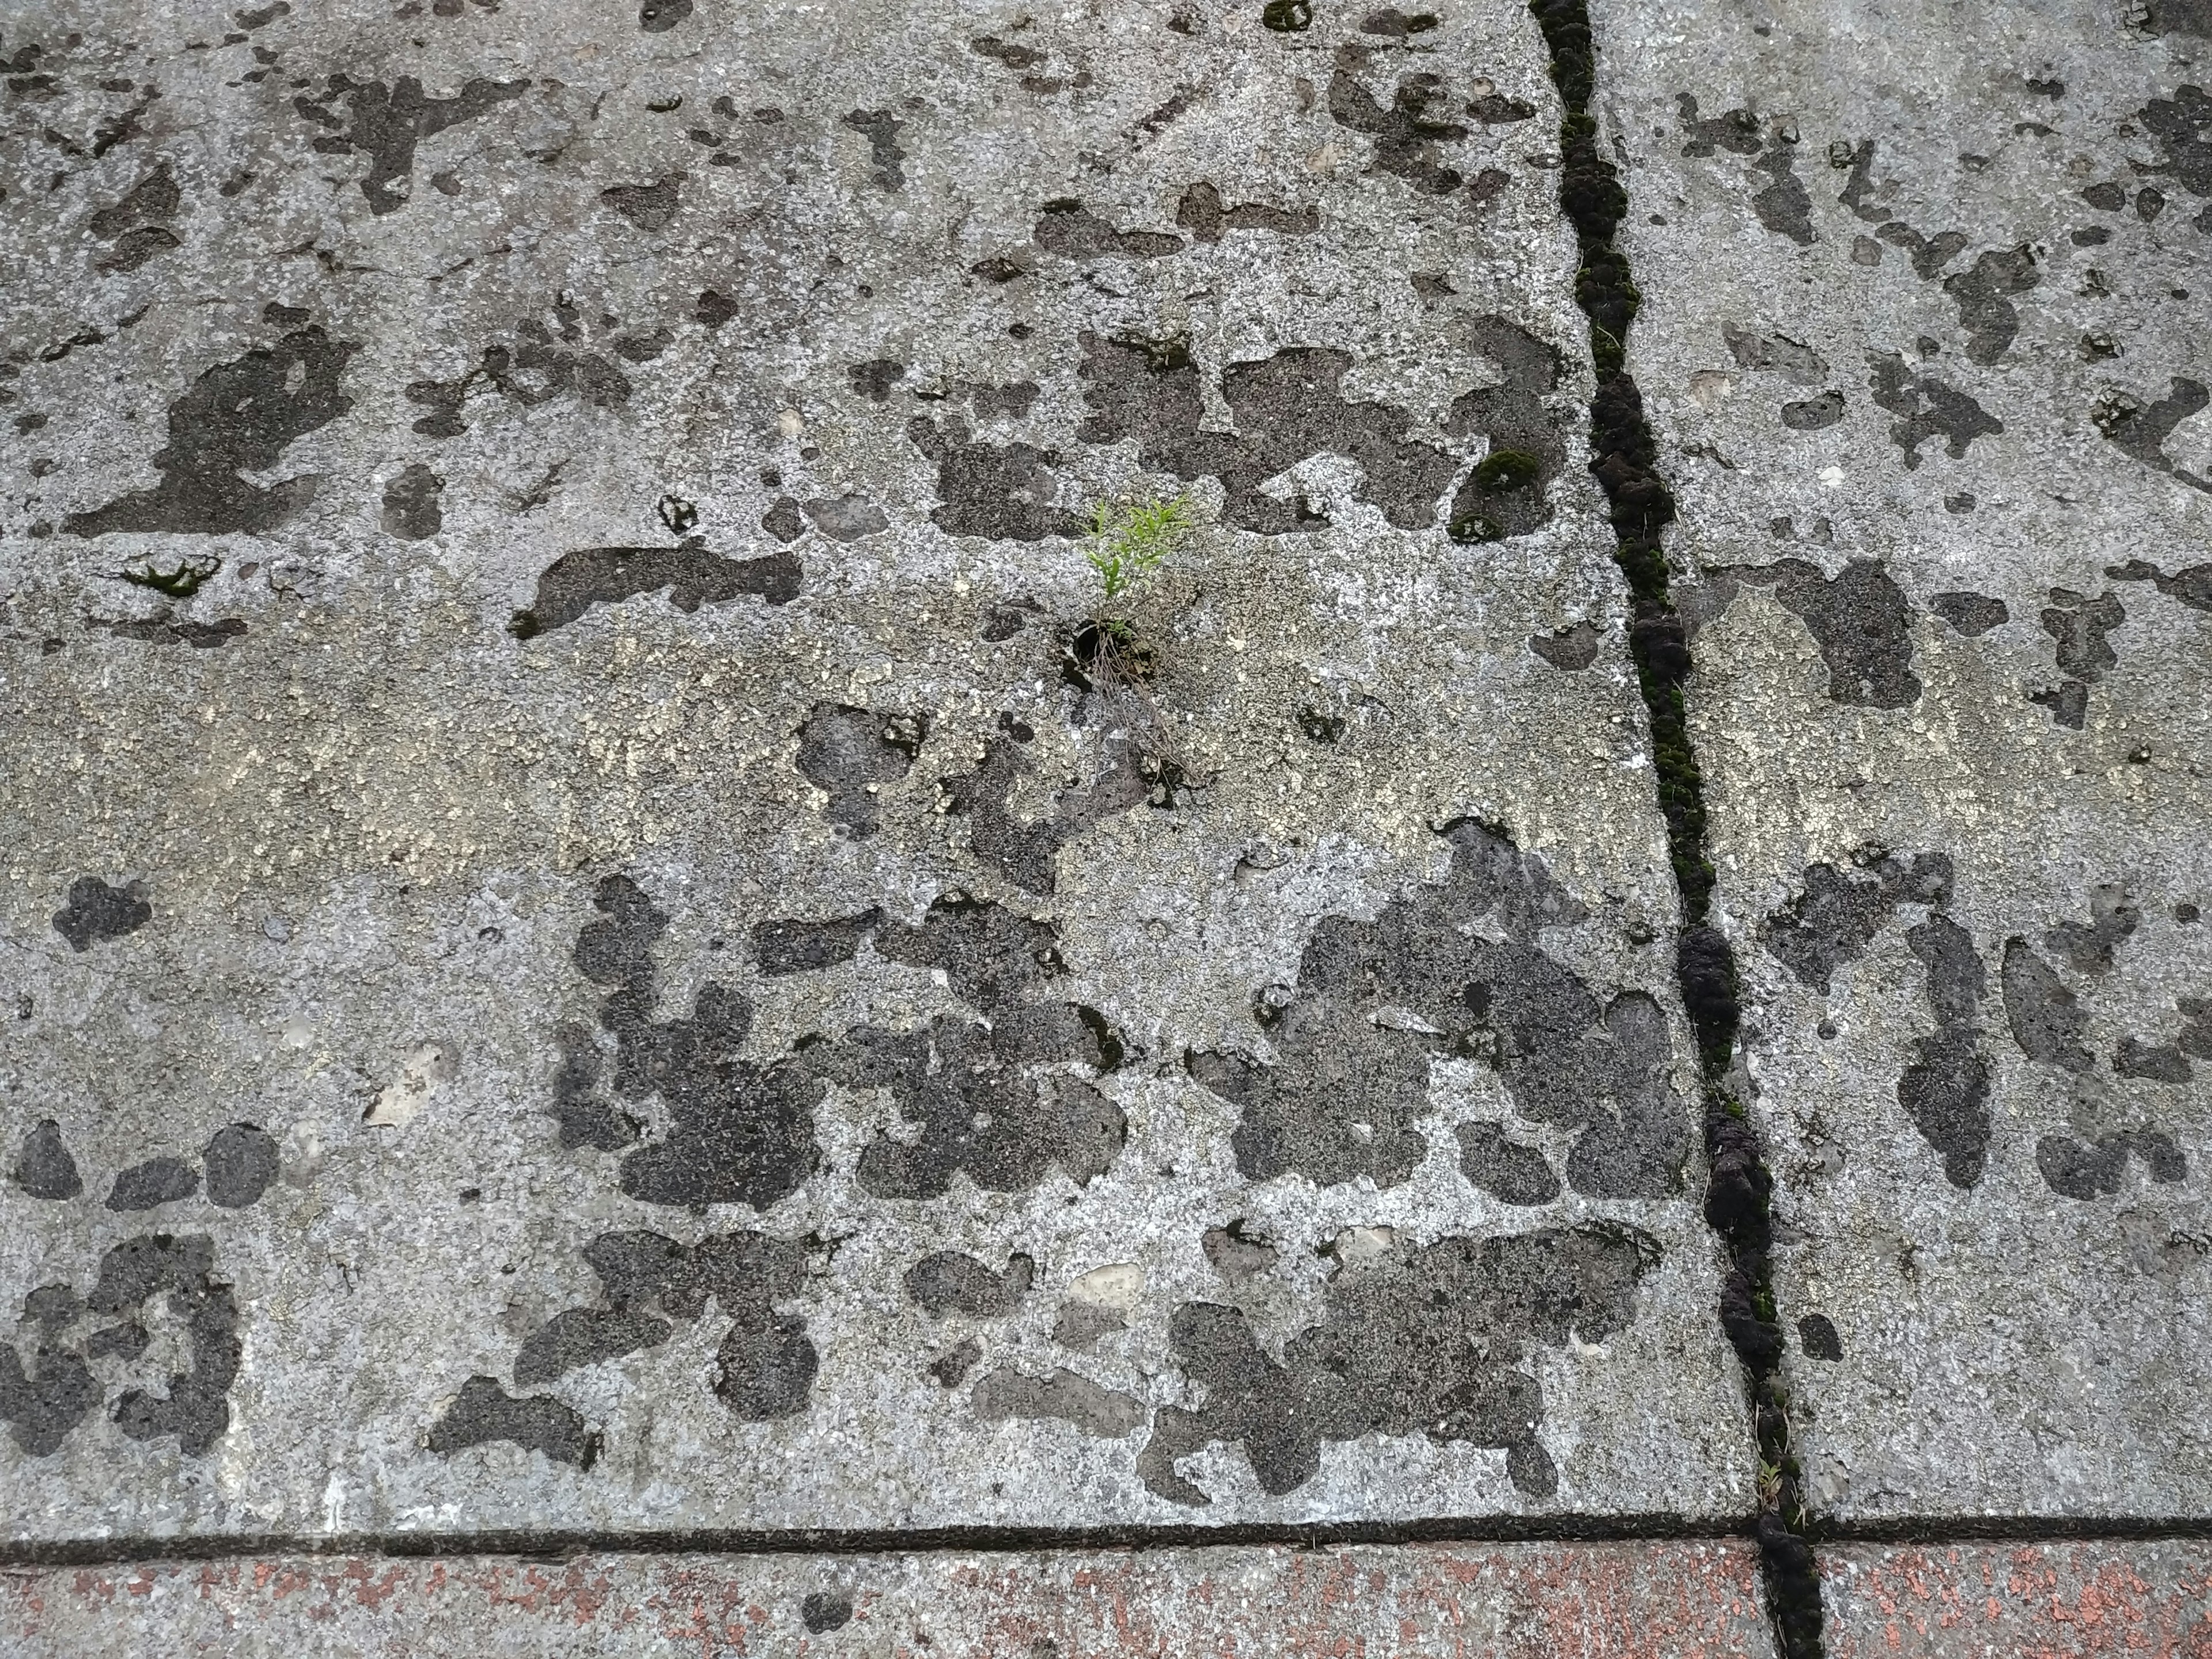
[(1587, 1601), (1923, 339), (584, 951), (1988, 1600)]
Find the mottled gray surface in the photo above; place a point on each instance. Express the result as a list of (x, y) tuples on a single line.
[(559, 877), (1953, 702)]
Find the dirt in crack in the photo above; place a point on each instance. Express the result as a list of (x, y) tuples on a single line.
[(1736, 1202)]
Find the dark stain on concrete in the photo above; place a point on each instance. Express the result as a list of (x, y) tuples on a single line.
[(1409, 137), (1945, 1089), (483, 1413), (649, 206), (739, 1133), (881, 129), (165, 628), (2141, 431), (1505, 1168), (1377, 1001), (2073, 1169), (388, 122), (852, 754), (1507, 493), (1985, 308), (1286, 407), (45, 1167), (96, 912), (1838, 913), (1426, 1340), (1073, 231), (1003, 491), (1064, 1396), (1026, 851), (158, 1180), (237, 417), (2192, 587), (411, 511), (1970, 614), (241, 1163), (1859, 618), (2079, 627), (946, 1281), (1926, 408), (2048, 1021), (576, 581), (1205, 215)]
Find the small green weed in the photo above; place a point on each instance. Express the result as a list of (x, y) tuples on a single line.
[(1128, 540)]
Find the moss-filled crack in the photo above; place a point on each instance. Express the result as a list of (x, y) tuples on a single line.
[(1624, 458)]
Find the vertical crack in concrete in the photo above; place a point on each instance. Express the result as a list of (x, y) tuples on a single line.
[(1624, 457)]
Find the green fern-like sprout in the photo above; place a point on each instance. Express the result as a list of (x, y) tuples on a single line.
[(1128, 540)]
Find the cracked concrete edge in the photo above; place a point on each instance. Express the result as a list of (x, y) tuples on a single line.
[(1671, 1599)]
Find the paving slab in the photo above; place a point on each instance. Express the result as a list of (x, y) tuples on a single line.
[(1924, 342), (2057, 1599), (1659, 1600), (591, 945)]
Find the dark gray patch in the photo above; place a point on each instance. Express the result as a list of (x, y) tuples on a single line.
[(1099, 1412), (241, 1163), (951, 1369), (2141, 431), (2047, 1022), (156, 1182), (1072, 232), (740, 1132), (648, 1282), (844, 750), (2079, 626), (1945, 1089), (152, 197), (576, 581), (196, 1408), (1505, 1168), (1423, 1342), (824, 1611), (1376, 1001), (1408, 139), (2089, 946), (1781, 203), (2192, 587), (2183, 124), (533, 370), (881, 129), (992, 402), (1202, 213), (1970, 614), (2179, 17), (1286, 408), (1775, 352), (789, 945), (1026, 851), (410, 504), (1818, 1337), (1003, 491), (874, 378), (389, 122), (649, 206), (1235, 1254), (135, 248), (237, 417), (1574, 646), (1814, 413), (44, 1405), (1507, 493), (975, 1089), (45, 1167), (658, 16), (782, 519), (1859, 617), (1985, 311), (1926, 408), (1395, 24), (483, 1412), (96, 912), (1734, 130), (2075, 1170), (1013, 56), (948, 1282), (644, 347), (847, 518), (2156, 1063), (1079, 1325), (1836, 917), (585, 1119)]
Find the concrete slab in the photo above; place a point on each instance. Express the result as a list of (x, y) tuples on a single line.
[(1923, 339), (1967, 1599), (1662, 1601), (587, 948)]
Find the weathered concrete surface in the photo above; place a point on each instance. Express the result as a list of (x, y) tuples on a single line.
[(1923, 341), (1676, 1600), (1965, 1600), (601, 969)]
